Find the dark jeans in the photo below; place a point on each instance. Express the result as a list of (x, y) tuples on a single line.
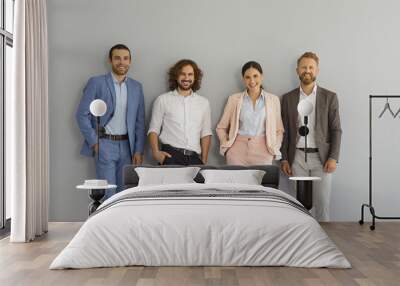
[(177, 158)]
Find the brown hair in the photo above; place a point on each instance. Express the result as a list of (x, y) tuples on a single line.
[(309, 55), (174, 71)]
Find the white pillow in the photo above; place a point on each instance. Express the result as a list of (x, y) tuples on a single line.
[(163, 176), (249, 177)]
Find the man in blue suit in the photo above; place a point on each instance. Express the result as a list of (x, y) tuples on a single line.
[(122, 128)]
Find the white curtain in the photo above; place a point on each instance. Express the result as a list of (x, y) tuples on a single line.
[(27, 131)]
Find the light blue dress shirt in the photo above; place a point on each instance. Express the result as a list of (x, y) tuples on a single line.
[(117, 124), (252, 118)]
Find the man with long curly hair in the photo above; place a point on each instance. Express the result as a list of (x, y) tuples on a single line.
[(181, 119)]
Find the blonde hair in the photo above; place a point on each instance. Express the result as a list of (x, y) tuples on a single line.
[(309, 55)]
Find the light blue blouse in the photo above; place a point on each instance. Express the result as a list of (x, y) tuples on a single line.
[(252, 118)]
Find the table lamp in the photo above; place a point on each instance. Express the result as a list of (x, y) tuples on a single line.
[(304, 108), (98, 108)]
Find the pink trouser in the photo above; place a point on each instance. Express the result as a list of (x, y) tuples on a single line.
[(248, 151)]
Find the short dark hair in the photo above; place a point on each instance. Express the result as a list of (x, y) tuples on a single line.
[(175, 70), (118, 47), (251, 64)]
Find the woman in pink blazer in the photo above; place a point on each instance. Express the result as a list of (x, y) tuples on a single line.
[(250, 130)]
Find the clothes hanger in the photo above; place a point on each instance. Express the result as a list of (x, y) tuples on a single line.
[(397, 113), (387, 107)]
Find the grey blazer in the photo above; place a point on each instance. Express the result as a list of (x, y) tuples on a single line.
[(328, 132)]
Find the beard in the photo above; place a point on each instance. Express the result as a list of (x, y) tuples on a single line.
[(187, 87), (307, 80), (118, 71)]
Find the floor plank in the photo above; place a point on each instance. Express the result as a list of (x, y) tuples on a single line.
[(374, 255)]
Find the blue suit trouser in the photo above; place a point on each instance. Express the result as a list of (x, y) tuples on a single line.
[(113, 156)]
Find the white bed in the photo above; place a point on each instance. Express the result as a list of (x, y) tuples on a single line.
[(222, 225)]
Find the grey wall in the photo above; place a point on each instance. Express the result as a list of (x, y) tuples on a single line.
[(357, 42)]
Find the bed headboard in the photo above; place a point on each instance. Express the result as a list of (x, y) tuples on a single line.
[(270, 179)]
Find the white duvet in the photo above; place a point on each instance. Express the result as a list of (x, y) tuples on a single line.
[(200, 231)]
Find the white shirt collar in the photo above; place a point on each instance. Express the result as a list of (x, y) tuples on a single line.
[(314, 91), (175, 92)]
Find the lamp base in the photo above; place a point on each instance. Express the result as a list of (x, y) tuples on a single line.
[(96, 195), (304, 193)]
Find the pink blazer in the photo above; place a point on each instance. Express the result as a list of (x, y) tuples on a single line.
[(228, 126)]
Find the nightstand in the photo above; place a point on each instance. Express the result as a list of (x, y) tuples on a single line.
[(96, 193)]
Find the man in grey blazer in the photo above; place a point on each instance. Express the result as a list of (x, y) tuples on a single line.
[(323, 140)]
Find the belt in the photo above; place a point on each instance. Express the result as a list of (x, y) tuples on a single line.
[(114, 137), (309, 150), (185, 152)]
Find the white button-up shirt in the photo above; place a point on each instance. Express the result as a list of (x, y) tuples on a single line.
[(180, 120), (312, 98)]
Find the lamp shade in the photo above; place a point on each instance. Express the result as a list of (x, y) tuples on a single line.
[(98, 107), (305, 107)]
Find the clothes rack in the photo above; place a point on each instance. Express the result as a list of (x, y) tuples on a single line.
[(370, 204)]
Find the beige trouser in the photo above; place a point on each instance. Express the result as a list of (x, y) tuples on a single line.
[(321, 189), (249, 151)]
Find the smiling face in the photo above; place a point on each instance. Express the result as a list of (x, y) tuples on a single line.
[(120, 61), (185, 78), (252, 79), (307, 70)]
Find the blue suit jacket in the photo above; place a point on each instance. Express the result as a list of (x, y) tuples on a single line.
[(102, 87)]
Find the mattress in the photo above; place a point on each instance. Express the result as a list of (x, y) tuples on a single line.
[(201, 225)]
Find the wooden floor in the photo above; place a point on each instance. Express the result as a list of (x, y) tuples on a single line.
[(374, 255)]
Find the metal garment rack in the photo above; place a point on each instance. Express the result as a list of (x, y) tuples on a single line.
[(370, 205)]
